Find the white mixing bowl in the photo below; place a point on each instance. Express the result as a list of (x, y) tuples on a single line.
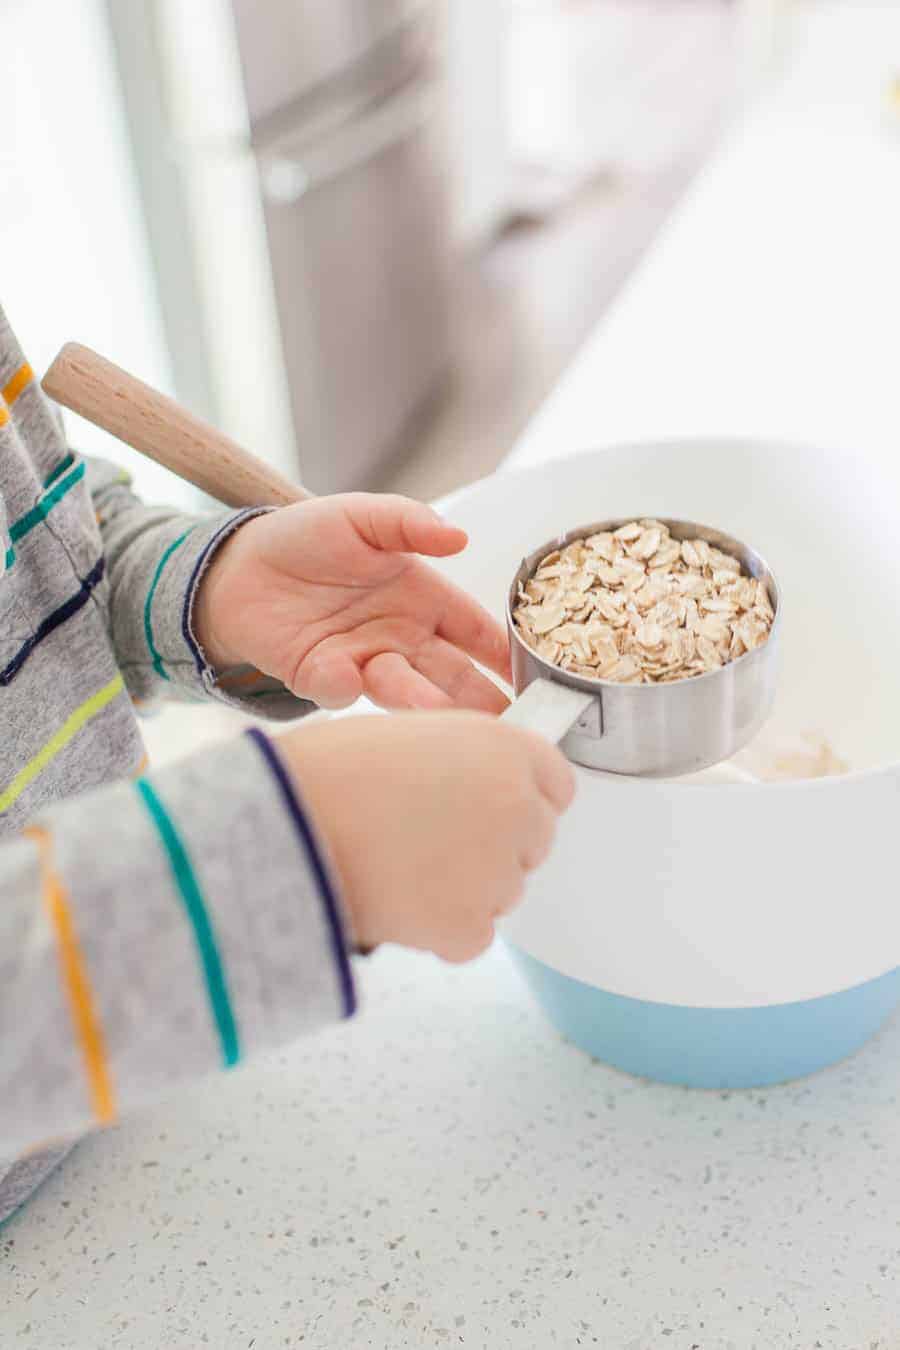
[(721, 934)]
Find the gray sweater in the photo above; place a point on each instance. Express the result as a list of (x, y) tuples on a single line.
[(153, 926)]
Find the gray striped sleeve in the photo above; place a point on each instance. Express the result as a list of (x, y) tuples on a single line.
[(155, 560), (207, 926)]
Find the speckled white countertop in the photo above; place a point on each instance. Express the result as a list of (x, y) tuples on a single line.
[(446, 1172)]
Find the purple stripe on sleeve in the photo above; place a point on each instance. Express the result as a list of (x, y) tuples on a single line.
[(200, 567), (329, 899), (49, 624)]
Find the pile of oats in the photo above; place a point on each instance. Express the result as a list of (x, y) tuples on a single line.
[(639, 607)]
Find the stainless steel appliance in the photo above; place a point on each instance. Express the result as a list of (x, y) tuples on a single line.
[(344, 109)]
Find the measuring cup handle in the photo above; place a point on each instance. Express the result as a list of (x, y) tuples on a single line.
[(549, 708)]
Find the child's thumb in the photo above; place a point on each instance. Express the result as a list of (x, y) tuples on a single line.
[(396, 524)]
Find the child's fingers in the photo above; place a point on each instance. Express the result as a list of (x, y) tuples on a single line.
[(467, 625), (539, 835), (329, 678), (552, 773), (464, 944), (399, 525), (390, 681), (448, 668)]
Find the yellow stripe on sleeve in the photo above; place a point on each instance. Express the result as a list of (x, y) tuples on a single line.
[(85, 1022), (13, 387), (59, 741)]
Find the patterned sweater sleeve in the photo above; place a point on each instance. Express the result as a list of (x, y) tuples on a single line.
[(155, 560), (205, 927)]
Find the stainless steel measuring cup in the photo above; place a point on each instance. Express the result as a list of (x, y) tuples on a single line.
[(651, 730)]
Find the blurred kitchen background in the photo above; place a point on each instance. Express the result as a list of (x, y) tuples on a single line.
[(362, 236), (366, 237)]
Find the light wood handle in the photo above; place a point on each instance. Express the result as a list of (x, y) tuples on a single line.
[(157, 426)]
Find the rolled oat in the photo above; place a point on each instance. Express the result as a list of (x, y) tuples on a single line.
[(636, 606)]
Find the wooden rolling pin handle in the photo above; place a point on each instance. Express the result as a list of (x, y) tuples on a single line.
[(110, 398)]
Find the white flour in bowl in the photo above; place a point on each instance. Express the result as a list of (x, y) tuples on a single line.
[(809, 755), (778, 759)]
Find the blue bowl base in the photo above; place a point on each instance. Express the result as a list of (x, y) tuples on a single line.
[(711, 1047)]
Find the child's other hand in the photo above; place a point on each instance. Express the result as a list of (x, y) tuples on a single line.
[(327, 597), (432, 821)]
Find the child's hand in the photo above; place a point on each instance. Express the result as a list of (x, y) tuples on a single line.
[(326, 597), (432, 821)]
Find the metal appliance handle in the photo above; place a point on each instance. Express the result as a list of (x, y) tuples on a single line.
[(286, 177)]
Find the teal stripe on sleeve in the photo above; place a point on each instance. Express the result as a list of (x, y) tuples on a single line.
[(148, 603), (46, 504), (195, 907), (65, 463)]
